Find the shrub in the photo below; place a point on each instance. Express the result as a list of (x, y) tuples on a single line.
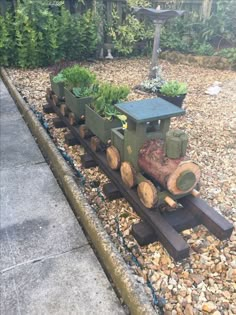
[(77, 76), (173, 88), (35, 36), (79, 80), (7, 44), (192, 34), (230, 54), (106, 97)]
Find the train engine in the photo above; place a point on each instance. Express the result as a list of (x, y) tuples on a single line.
[(150, 155)]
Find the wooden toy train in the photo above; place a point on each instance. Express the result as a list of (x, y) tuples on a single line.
[(148, 165)]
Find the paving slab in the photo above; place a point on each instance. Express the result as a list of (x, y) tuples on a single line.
[(17, 145), (36, 219), (46, 263), (72, 283), (7, 105)]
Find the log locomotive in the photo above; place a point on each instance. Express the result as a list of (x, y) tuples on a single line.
[(147, 164), (150, 155)]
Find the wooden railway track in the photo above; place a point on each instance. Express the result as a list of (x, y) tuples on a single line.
[(164, 227)]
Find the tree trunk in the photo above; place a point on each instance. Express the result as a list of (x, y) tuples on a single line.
[(206, 9), (179, 176)]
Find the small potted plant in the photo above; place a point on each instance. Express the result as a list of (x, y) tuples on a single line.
[(80, 85), (101, 115), (173, 92), (153, 85)]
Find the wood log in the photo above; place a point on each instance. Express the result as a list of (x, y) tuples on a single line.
[(54, 99), (195, 193), (72, 119), (64, 110), (179, 176), (113, 157), (128, 174), (147, 193), (95, 143), (170, 202), (84, 132), (48, 95)]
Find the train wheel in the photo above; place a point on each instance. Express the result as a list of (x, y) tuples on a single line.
[(128, 174), (63, 109), (48, 95), (113, 157), (95, 143), (72, 119), (147, 193), (54, 99), (83, 129)]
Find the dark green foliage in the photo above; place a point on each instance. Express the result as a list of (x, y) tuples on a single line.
[(221, 26), (83, 91), (37, 36), (79, 80), (230, 54), (173, 88), (106, 97), (59, 78), (192, 34), (7, 44), (77, 76)]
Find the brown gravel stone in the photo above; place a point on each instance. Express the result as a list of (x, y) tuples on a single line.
[(209, 307)]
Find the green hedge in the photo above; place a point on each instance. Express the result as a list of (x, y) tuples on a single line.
[(35, 36)]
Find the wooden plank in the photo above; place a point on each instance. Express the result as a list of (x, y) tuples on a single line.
[(143, 233), (180, 220), (212, 220), (71, 140), (111, 191), (48, 109), (58, 122), (87, 161), (172, 241)]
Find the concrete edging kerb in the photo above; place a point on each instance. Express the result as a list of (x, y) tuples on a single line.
[(132, 292)]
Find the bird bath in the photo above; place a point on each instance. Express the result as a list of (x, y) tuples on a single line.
[(159, 17)]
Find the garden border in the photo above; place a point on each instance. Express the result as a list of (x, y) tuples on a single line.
[(130, 290)]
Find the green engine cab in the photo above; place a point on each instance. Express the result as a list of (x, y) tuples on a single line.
[(146, 119), (147, 147)]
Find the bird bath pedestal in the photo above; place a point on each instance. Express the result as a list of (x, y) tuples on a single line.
[(159, 17)]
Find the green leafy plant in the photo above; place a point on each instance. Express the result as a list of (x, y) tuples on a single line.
[(38, 35), (173, 88), (228, 53), (59, 78), (84, 91), (125, 36), (193, 34), (154, 85), (204, 49), (77, 76), (106, 97)]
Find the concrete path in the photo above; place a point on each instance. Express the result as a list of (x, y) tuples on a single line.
[(46, 263)]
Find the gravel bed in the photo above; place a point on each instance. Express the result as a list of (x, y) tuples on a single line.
[(206, 281)]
